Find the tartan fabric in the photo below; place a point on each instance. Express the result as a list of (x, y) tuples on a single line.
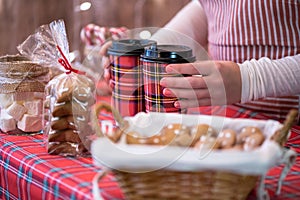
[(127, 80), (155, 100), (282, 104), (27, 171)]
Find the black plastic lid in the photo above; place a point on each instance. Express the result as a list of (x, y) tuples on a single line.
[(129, 47), (168, 54)]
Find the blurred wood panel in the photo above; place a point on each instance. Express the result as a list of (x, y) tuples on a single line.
[(20, 18)]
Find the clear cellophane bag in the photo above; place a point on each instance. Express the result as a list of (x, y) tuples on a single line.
[(68, 95)]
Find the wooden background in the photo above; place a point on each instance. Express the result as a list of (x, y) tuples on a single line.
[(20, 18)]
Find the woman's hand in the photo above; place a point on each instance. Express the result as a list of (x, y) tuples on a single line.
[(103, 88), (204, 83), (105, 60)]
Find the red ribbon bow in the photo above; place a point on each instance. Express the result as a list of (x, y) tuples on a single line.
[(65, 63)]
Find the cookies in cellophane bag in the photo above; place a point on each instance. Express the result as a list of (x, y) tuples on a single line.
[(68, 96), (67, 114)]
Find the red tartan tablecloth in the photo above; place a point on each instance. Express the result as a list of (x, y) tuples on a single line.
[(28, 172)]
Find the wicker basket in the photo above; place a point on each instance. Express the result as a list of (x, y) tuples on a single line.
[(169, 184), (206, 185)]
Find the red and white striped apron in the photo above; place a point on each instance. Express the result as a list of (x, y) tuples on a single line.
[(242, 30)]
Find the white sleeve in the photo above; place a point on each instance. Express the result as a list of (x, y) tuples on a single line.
[(185, 23), (270, 78)]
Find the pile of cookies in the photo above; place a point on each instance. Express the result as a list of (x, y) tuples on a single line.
[(201, 136), (68, 102)]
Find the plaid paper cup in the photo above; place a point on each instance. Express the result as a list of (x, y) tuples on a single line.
[(154, 61), (127, 75), (128, 99)]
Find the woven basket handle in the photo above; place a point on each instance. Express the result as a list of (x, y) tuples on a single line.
[(281, 135), (122, 124), (96, 190)]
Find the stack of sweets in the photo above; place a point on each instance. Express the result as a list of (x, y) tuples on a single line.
[(68, 96), (67, 114), (21, 111), (21, 95)]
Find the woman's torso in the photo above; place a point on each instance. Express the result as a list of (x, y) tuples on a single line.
[(250, 29)]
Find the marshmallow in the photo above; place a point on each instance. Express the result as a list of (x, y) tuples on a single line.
[(39, 95), (30, 123), (7, 122), (16, 111), (33, 107), (15, 106), (23, 96), (6, 100)]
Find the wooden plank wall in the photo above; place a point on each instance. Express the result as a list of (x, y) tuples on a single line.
[(19, 18)]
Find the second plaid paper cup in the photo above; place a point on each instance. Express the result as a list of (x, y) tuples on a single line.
[(127, 75), (154, 61)]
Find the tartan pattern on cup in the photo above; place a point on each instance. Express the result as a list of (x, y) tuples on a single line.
[(155, 101), (127, 82)]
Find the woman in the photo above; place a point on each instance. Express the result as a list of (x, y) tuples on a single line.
[(255, 48)]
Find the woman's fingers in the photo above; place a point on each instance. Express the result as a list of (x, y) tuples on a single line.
[(197, 68), (105, 60), (191, 103), (104, 48), (184, 82), (186, 93), (106, 68)]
